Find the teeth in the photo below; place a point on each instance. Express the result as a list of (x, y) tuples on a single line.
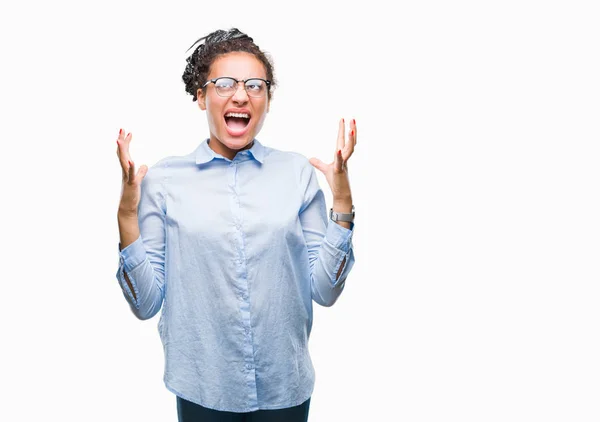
[(242, 115)]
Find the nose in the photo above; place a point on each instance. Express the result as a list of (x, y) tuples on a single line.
[(240, 96)]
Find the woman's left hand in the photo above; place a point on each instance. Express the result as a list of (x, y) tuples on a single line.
[(336, 173)]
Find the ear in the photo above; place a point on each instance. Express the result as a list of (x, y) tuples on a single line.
[(268, 104), (201, 99)]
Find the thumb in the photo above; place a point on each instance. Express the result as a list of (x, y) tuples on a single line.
[(318, 164), (142, 172)]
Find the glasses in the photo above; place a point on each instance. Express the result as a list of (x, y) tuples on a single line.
[(226, 87)]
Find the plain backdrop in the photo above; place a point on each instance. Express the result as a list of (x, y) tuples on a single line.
[(475, 293)]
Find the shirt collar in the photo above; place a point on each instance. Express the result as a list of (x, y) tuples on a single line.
[(204, 153)]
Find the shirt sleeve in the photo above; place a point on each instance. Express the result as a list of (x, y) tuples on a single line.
[(144, 259), (329, 244)]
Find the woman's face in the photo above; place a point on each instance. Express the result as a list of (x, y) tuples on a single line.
[(229, 135)]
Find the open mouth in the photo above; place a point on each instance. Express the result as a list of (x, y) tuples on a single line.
[(237, 122)]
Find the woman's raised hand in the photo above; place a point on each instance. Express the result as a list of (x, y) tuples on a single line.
[(336, 172), (130, 190)]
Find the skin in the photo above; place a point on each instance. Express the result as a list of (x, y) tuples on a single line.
[(239, 65)]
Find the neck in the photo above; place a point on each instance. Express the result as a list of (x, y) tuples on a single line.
[(218, 147)]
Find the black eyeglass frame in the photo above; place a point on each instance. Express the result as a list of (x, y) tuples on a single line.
[(237, 81)]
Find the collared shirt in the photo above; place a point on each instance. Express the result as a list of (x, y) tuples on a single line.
[(235, 251)]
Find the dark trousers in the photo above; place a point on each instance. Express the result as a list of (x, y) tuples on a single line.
[(192, 412)]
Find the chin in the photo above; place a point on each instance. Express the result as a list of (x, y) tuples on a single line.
[(236, 143)]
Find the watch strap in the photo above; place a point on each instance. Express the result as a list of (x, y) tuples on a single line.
[(340, 216)]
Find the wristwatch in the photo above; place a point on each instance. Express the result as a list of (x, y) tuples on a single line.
[(339, 216)]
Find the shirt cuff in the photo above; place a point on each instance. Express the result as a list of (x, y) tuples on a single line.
[(339, 237), (133, 255)]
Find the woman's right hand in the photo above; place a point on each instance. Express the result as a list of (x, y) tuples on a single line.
[(130, 190)]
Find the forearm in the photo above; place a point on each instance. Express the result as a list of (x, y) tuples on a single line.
[(343, 205), (141, 281), (330, 268), (129, 228), (129, 231), (331, 259)]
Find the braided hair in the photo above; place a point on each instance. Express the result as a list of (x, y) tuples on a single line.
[(215, 44)]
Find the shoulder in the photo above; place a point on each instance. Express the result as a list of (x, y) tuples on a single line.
[(292, 159), (164, 167), (162, 172)]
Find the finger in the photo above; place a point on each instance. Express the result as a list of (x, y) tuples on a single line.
[(349, 148), (141, 173), (338, 162), (341, 135), (126, 142), (131, 172), (124, 166), (121, 154), (319, 165), (123, 151), (119, 143), (120, 140)]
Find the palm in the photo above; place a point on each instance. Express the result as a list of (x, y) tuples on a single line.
[(130, 190), (336, 172)]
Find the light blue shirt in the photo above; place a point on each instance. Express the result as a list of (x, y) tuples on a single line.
[(235, 251)]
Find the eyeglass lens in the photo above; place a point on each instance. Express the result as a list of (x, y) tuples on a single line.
[(226, 87)]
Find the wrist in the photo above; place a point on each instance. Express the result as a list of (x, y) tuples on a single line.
[(126, 214), (342, 215), (342, 205), (346, 197)]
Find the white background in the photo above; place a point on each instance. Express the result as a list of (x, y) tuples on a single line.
[(475, 294)]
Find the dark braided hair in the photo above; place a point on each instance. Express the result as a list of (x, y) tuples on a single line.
[(215, 44)]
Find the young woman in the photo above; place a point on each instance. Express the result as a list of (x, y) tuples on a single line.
[(234, 242)]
